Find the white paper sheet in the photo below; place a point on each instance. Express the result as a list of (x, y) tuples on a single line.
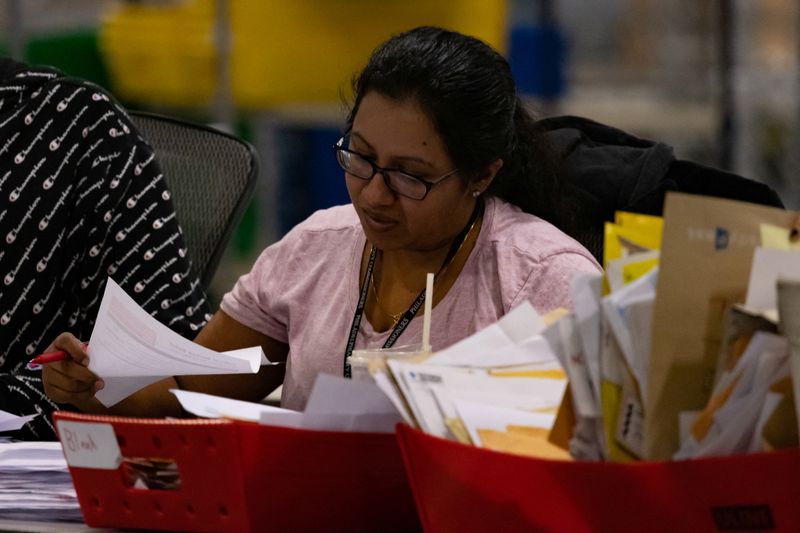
[(448, 397), (432, 391), (586, 293), (629, 314), (341, 404), (516, 328), (383, 381), (11, 422), (209, 406), (769, 264), (764, 361), (565, 343), (35, 484), (414, 381), (128, 343), (481, 416), (335, 404)]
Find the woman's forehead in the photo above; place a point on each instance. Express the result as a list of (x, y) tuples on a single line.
[(387, 123)]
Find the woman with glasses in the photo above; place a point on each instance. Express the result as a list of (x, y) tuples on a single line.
[(447, 173)]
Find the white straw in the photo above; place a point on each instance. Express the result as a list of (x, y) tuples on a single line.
[(426, 318)]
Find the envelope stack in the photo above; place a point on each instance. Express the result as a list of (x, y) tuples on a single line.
[(498, 389), (682, 352)]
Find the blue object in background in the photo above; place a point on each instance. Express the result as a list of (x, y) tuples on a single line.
[(538, 57), (309, 178), (327, 179)]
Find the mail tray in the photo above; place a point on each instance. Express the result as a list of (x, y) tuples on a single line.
[(463, 488), (240, 476)]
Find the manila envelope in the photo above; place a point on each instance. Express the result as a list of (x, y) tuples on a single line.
[(706, 254)]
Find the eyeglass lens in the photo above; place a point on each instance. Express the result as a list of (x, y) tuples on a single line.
[(397, 181)]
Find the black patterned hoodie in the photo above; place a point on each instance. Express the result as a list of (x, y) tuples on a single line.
[(82, 198)]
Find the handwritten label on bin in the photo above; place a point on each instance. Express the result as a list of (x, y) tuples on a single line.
[(89, 445)]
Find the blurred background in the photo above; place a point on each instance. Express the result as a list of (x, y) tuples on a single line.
[(717, 79)]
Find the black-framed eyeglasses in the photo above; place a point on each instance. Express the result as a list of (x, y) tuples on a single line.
[(398, 181)]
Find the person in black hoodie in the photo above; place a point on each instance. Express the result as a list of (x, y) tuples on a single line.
[(82, 198)]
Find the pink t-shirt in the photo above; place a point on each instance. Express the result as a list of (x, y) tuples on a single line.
[(303, 290)]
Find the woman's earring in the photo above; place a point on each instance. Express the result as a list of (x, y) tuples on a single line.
[(475, 194)]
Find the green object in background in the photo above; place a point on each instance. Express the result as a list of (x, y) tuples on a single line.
[(244, 239), (75, 52)]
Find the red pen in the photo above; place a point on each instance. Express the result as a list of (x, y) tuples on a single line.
[(51, 357)]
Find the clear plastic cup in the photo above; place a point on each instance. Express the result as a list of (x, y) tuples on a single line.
[(363, 359)]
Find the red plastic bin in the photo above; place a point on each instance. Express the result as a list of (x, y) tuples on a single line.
[(464, 488), (245, 477)]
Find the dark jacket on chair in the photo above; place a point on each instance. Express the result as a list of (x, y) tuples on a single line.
[(610, 170)]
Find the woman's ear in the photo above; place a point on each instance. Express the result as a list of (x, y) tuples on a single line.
[(488, 175)]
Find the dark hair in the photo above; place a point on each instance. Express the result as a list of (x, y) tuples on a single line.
[(466, 89)]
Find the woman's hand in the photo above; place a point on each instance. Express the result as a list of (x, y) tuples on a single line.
[(70, 381)]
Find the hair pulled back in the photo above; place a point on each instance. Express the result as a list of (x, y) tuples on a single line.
[(466, 89)]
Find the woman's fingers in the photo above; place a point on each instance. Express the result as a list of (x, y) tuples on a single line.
[(65, 389), (69, 381), (67, 342)]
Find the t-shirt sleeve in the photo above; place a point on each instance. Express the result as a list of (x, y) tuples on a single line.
[(548, 284), (258, 299)]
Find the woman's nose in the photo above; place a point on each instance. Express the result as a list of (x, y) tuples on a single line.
[(377, 191)]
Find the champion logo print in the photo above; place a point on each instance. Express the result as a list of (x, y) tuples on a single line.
[(88, 129), (63, 104), (140, 286), (30, 349), (42, 264), (29, 118), (48, 183), (39, 305), (9, 278), (121, 234), (71, 181), (6, 317), (151, 253), (11, 236), (133, 200), (20, 157), (45, 221), (133, 251), (118, 177), (155, 294), (55, 143), (141, 166), (14, 195), (9, 142)]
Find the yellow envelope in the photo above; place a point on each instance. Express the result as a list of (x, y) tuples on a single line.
[(522, 440)]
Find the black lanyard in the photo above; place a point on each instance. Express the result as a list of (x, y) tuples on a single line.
[(405, 320)]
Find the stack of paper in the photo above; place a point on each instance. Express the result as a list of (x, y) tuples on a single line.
[(36, 484), (335, 404), (499, 388), (130, 349), (661, 353)]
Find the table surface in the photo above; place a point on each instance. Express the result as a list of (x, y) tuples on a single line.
[(43, 527), (29, 526)]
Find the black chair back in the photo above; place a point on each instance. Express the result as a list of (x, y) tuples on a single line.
[(211, 175)]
